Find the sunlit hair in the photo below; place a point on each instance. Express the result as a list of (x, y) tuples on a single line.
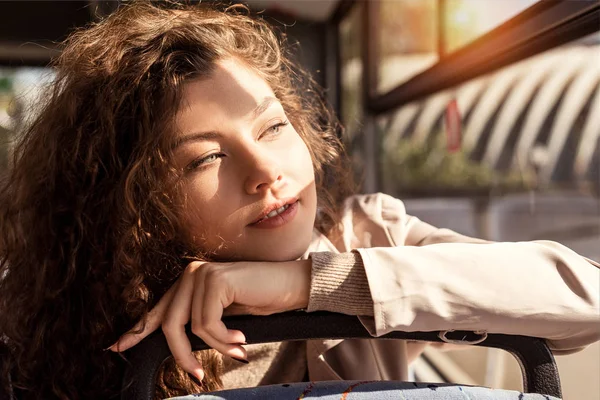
[(89, 236)]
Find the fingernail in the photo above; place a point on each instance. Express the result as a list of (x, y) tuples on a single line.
[(241, 360), (241, 343), (194, 379), (112, 347)]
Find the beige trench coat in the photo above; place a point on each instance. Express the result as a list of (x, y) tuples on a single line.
[(423, 278)]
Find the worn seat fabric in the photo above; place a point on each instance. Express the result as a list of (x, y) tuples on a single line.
[(369, 390)]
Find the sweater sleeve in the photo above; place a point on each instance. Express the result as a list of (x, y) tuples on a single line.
[(339, 284)]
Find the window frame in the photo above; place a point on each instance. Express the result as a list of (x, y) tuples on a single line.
[(544, 25), (540, 27)]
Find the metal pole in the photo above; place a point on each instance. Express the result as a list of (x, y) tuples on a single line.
[(370, 63)]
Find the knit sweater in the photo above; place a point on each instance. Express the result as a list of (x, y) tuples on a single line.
[(338, 284)]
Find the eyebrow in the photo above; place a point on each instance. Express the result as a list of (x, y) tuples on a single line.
[(266, 103), (210, 135)]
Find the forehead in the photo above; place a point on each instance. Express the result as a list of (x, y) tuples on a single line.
[(233, 90)]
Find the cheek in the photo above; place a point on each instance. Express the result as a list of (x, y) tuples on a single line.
[(306, 174), (199, 191), (303, 161), (198, 195), (202, 211)]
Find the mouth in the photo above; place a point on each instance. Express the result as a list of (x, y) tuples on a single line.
[(275, 210)]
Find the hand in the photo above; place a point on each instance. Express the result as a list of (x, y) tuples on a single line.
[(207, 291)]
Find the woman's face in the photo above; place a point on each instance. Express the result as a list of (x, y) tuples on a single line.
[(248, 177)]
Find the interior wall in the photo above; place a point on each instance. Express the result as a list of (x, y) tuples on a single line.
[(307, 40)]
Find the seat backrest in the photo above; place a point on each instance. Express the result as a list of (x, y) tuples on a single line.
[(540, 374)]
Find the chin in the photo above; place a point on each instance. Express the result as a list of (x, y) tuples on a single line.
[(291, 254), (287, 253), (279, 252)]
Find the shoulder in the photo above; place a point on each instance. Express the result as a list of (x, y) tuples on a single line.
[(379, 220), (375, 205)]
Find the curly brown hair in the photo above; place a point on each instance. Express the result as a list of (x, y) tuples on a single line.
[(90, 235)]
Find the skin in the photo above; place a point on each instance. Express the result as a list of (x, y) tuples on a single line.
[(237, 161), (240, 157)]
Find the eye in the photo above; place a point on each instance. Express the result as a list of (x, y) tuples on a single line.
[(274, 129), (202, 161)]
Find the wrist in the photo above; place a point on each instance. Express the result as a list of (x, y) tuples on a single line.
[(301, 284)]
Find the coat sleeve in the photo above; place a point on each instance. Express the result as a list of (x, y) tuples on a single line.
[(436, 279), (440, 280)]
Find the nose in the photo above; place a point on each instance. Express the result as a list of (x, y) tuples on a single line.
[(263, 172)]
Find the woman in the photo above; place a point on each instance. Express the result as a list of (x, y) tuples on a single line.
[(180, 170)]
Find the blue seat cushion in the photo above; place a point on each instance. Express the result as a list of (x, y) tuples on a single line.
[(367, 390)]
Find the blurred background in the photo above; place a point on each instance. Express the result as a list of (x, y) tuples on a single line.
[(483, 115)]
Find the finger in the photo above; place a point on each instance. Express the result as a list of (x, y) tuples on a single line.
[(143, 328), (207, 321), (213, 318), (212, 331), (177, 316)]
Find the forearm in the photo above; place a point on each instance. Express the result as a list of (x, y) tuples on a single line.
[(536, 288), (532, 288)]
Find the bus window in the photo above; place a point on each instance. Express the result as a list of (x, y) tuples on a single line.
[(406, 40), (350, 34), (519, 131), (466, 20), (412, 35)]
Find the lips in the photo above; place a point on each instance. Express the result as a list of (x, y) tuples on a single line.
[(274, 209)]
